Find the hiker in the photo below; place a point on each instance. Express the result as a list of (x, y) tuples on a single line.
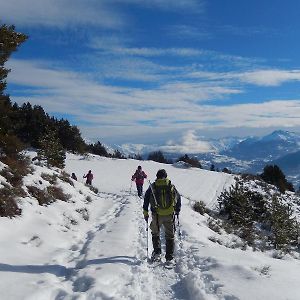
[(89, 177), (73, 176), (165, 201), (139, 177)]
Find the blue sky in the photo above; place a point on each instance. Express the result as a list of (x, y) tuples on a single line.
[(159, 71)]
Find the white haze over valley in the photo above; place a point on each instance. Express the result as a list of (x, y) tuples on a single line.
[(95, 245)]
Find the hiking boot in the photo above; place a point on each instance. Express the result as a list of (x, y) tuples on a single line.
[(169, 249), (170, 263), (155, 256)]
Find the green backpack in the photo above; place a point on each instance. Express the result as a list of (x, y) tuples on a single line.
[(164, 200)]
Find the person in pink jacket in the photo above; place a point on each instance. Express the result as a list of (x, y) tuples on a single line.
[(139, 177)]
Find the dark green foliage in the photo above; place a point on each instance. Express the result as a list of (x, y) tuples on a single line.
[(118, 154), (136, 156), (98, 149), (70, 137), (284, 226), (200, 207), (236, 203), (252, 217), (10, 40), (274, 175), (193, 162), (51, 150), (226, 170), (158, 157)]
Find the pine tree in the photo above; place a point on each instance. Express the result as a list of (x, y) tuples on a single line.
[(9, 42), (274, 175), (51, 150), (284, 225)]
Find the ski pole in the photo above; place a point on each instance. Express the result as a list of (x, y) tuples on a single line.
[(147, 229), (130, 186), (178, 225)]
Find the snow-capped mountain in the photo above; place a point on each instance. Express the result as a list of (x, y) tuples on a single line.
[(266, 148), (248, 154)]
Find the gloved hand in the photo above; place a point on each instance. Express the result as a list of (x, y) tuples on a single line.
[(146, 218)]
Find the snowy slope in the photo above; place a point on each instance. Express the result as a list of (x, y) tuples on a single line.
[(55, 253)]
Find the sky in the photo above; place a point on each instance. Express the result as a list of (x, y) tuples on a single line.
[(159, 72)]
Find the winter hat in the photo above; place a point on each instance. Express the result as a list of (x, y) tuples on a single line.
[(161, 174), (139, 168)]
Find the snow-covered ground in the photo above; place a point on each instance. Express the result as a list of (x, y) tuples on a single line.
[(97, 249)]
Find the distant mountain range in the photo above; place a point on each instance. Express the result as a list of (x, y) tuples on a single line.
[(250, 154)]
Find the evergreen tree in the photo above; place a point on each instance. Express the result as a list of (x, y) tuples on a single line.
[(51, 150), (272, 174), (98, 149), (157, 156), (10, 40), (284, 225), (194, 162)]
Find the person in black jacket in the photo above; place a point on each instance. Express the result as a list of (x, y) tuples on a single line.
[(164, 201)]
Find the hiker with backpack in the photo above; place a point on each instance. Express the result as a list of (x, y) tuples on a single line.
[(165, 203), (89, 177), (139, 177)]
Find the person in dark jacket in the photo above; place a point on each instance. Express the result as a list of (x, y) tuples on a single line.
[(165, 202), (139, 177), (73, 176), (89, 177)]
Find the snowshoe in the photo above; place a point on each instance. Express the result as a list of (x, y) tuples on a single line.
[(170, 264), (155, 257)]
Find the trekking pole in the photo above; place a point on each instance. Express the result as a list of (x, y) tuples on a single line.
[(178, 226), (130, 186), (147, 229), (155, 201)]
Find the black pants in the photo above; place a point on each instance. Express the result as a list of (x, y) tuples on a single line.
[(139, 188)]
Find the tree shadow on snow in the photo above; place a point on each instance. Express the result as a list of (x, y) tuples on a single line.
[(57, 270), (62, 271)]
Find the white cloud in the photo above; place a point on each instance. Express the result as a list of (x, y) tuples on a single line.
[(270, 77), (137, 113), (59, 13), (189, 143)]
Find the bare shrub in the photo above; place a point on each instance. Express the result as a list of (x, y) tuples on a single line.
[(17, 169), (93, 189), (64, 176), (200, 207), (57, 193), (84, 213), (214, 225), (41, 195), (51, 178), (88, 199), (8, 205)]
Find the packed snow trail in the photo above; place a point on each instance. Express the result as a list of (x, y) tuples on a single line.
[(95, 246)]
